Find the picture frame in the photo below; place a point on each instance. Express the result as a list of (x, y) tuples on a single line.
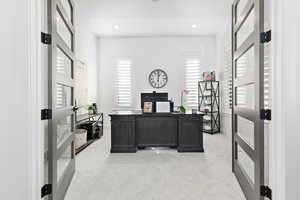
[(148, 107)]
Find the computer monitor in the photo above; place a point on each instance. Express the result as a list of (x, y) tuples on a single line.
[(153, 97)]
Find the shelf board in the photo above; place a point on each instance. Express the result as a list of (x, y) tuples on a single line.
[(211, 132), (89, 142), (210, 112), (206, 96)]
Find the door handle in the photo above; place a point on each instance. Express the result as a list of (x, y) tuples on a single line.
[(75, 108)]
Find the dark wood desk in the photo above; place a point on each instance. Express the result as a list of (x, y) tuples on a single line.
[(133, 130)]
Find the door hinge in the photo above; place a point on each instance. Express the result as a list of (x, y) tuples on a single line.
[(46, 114), (46, 190), (266, 114), (46, 38), (265, 191), (266, 37)]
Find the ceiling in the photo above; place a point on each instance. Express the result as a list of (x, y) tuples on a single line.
[(154, 17)]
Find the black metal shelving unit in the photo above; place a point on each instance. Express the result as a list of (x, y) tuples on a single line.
[(94, 124), (209, 104)]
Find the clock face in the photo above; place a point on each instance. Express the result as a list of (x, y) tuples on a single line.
[(158, 78)]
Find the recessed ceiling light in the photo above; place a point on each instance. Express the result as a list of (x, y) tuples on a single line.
[(116, 27), (194, 26)]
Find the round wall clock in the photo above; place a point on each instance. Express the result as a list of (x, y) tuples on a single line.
[(158, 78)]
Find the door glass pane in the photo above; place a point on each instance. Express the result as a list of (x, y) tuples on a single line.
[(68, 8), (246, 130), (246, 163), (63, 64), (63, 162), (64, 129), (63, 31), (63, 96), (245, 96), (246, 29), (245, 64), (240, 7)]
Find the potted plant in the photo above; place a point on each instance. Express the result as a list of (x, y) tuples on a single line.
[(91, 109), (181, 108)]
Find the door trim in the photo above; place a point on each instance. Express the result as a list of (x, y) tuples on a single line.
[(278, 124), (34, 61)]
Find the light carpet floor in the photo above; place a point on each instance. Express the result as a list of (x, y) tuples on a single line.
[(155, 174)]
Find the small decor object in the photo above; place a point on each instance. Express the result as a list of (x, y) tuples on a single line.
[(209, 76), (80, 138), (181, 107), (158, 78), (163, 106), (91, 109), (194, 111), (95, 106), (148, 107), (206, 110)]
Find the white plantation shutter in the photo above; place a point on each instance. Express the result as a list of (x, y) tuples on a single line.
[(228, 77), (192, 76), (267, 78), (124, 84)]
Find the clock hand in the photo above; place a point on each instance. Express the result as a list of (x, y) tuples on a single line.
[(159, 75)]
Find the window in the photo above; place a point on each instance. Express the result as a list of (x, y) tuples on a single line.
[(228, 80), (267, 76), (228, 77), (192, 76), (124, 83)]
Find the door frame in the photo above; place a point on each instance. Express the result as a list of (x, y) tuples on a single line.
[(35, 143), (35, 150), (278, 128)]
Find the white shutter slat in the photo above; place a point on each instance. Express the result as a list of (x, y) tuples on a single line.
[(124, 83), (192, 76)]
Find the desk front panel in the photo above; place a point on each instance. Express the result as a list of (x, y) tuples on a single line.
[(156, 131)]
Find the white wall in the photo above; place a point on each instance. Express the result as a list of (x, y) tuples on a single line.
[(147, 54), (85, 48), (286, 130)]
